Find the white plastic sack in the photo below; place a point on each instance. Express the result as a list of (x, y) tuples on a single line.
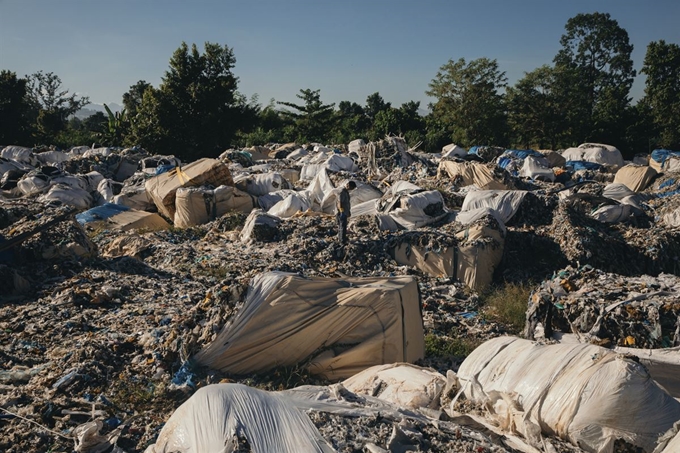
[(602, 154), (31, 184), (78, 198), (52, 157), (617, 191), (104, 151), (213, 418), (356, 145), (411, 213), (297, 154), (505, 202), (341, 163), (78, 151), (367, 208), (291, 205), (535, 168), (77, 182), (453, 150), (92, 180), (473, 215), (402, 384), (105, 189), (672, 219), (584, 393), (262, 184), (320, 186), (19, 154), (671, 164), (309, 171), (574, 154), (670, 441), (613, 213), (267, 201)]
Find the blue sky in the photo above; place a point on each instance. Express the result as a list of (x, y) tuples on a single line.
[(347, 49)]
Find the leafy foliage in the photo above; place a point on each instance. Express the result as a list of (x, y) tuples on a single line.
[(312, 120), (662, 92), (15, 109), (469, 102)]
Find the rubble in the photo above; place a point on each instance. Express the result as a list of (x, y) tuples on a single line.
[(100, 318)]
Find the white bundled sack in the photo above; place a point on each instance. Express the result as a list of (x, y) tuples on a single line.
[(262, 184), (505, 202), (77, 182), (291, 205), (52, 157), (419, 209), (32, 184), (453, 150), (19, 154), (402, 384), (537, 168), (614, 213), (216, 415), (602, 154), (78, 198), (583, 393)]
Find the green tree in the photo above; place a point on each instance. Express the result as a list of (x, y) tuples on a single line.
[(196, 111), (15, 109), (533, 115), (133, 98), (595, 66), (93, 123), (54, 104), (374, 105), (313, 119), (662, 92), (468, 101), (115, 128), (350, 122)]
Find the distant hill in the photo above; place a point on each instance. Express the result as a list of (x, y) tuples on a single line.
[(91, 109)]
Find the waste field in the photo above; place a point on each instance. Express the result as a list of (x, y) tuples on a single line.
[(137, 289)]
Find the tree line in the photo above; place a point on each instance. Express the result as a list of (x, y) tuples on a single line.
[(197, 110)]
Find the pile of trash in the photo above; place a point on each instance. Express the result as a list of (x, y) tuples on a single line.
[(608, 309), (138, 286)]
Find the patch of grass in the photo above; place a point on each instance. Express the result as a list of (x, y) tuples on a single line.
[(437, 346), (507, 304)]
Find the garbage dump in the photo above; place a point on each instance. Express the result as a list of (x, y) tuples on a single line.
[(118, 268), (582, 393)]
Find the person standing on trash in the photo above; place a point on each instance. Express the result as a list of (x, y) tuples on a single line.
[(343, 210)]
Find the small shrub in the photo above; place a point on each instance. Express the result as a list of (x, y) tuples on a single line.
[(507, 305), (436, 346)]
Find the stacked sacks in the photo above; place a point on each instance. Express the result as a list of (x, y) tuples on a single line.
[(199, 205), (163, 188)]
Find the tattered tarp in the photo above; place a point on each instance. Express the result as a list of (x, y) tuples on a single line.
[(659, 157), (583, 393), (162, 188), (121, 218), (339, 326), (537, 169), (635, 177), (214, 418), (470, 173)]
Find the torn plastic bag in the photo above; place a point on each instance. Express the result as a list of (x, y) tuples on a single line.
[(217, 415), (419, 209), (583, 393)]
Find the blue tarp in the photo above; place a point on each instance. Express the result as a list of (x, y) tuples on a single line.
[(522, 153), (576, 165), (102, 212), (504, 161), (164, 168), (660, 155)]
